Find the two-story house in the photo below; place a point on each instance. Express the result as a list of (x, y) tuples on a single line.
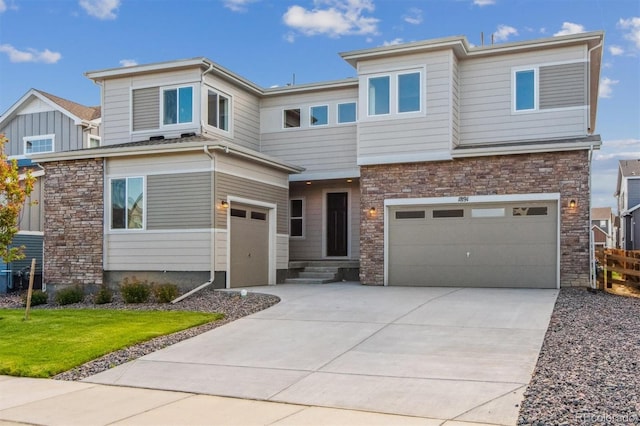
[(40, 122), (603, 227), (441, 164), (628, 196)]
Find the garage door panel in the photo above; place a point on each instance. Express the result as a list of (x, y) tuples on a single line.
[(488, 247)]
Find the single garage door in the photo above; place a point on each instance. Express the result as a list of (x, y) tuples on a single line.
[(249, 249), (474, 245)]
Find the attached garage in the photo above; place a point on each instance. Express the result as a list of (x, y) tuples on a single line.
[(471, 242), (249, 245)]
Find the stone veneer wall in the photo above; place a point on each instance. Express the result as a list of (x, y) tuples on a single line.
[(566, 173), (73, 230)]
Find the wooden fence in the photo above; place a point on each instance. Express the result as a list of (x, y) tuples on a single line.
[(618, 267)]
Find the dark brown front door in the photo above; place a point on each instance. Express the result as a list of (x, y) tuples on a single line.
[(337, 223)]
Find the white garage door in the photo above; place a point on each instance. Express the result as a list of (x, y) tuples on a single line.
[(474, 245), (249, 249)]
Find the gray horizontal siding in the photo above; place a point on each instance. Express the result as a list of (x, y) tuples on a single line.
[(33, 249), (179, 201), (563, 85), (633, 186), (227, 184), (68, 136), (146, 108)]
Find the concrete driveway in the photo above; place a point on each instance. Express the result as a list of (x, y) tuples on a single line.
[(438, 353)]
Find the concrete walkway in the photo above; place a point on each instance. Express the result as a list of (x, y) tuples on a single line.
[(367, 355)]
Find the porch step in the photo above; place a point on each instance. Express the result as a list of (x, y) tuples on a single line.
[(309, 281), (319, 274), (315, 275)]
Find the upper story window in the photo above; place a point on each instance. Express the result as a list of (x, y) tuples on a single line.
[(218, 107), (396, 93), (347, 112), (127, 203), (291, 118), (319, 115), (525, 90), (38, 144), (177, 105), (93, 141)]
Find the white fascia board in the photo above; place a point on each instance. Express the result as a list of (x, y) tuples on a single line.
[(139, 69), (339, 174), (523, 149), (370, 160), (473, 199)]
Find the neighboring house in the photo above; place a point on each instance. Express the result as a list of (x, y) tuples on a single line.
[(41, 123), (628, 195), (602, 227), (441, 164)]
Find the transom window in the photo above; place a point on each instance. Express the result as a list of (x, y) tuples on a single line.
[(177, 105), (217, 110), (319, 115), (347, 112), (525, 90), (38, 144), (127, 203)]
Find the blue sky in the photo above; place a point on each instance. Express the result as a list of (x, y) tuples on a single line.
[(49, 44)]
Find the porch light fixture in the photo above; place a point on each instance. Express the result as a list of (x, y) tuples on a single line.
[(224, 204), (372, 211), (573, 204), (308, 182)]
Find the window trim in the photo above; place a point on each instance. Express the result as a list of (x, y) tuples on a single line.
[(26, 139), (340, 123), (311, 125), (177, 87), (205, 109), (301, 218), (393, 93), (420, 92), (144, 204), (368, 103), (536, 89), (89, 137)]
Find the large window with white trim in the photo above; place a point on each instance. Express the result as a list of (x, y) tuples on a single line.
[(396, 93), (218, 110), (38, 144), (379, 95), (127, 203), (177, 105)]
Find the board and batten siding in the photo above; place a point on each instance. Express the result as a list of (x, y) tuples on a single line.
[(117, 105), (179, 201), (32, 213), (486, 100), (226, 184), (319, 149), (424, 136), (68, 135)]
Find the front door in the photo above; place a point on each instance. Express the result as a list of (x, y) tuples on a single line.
[(337, 223)]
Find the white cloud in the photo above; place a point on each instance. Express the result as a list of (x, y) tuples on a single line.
[(633, 25), (3, 6), (290, 37), (128, 62), (504, 32), (543, 30), (616, 50), (414, 16), (238, 5), (484, 2), (30, 55), (606, 87), (101, 9), (392, 42), (337, 18), (570, 28)]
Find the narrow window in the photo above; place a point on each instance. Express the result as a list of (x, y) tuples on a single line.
[(238, 213), (291, 118), (319, 115), (530, 211), (417, 214), (497, 212), (297, 218), (409, 92), (94, 141), (525, 90), (178, 105), (379, 95), (258, 216), (217, 110), (448, 213), (347, 113), (38, 144), (127, 203)]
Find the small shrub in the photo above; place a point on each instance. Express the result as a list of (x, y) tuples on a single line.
[(165, 293), (38, 297), (135, 291), (104, 295), (69, 295)]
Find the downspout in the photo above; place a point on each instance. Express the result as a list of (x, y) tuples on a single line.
[(597, 46), (592, 266), (212, 274)]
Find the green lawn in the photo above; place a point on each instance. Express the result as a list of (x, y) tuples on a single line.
[(53, 341)]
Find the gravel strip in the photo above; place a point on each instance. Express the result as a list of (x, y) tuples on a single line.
[(231, 304), (588, 371)]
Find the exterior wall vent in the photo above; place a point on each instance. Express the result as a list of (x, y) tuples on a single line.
[(188, 135), (156, 138)]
